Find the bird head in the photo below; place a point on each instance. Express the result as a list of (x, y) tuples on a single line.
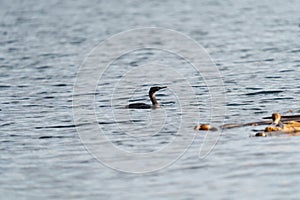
[(155, 89)]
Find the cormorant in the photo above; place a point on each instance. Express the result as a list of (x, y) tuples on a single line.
[(152, 98)]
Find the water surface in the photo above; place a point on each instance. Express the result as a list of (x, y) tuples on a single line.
[(254, 45)]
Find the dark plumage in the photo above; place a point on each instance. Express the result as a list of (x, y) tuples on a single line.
[(152, 98)]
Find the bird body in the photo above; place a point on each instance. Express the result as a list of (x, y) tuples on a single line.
[(139, 106), (152, 98)]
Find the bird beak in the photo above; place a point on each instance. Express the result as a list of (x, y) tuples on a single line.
[(163, 87)]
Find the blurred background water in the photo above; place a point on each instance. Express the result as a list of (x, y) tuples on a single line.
[(255, 45)]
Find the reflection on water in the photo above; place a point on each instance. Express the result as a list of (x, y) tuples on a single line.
[(255, 47)]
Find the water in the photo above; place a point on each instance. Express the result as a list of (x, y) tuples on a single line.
[(254, 45)]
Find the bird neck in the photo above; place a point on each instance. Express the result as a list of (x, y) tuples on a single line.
[(153, 99), (277, 122)]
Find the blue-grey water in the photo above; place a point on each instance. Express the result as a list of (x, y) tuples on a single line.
[(255, 45)]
